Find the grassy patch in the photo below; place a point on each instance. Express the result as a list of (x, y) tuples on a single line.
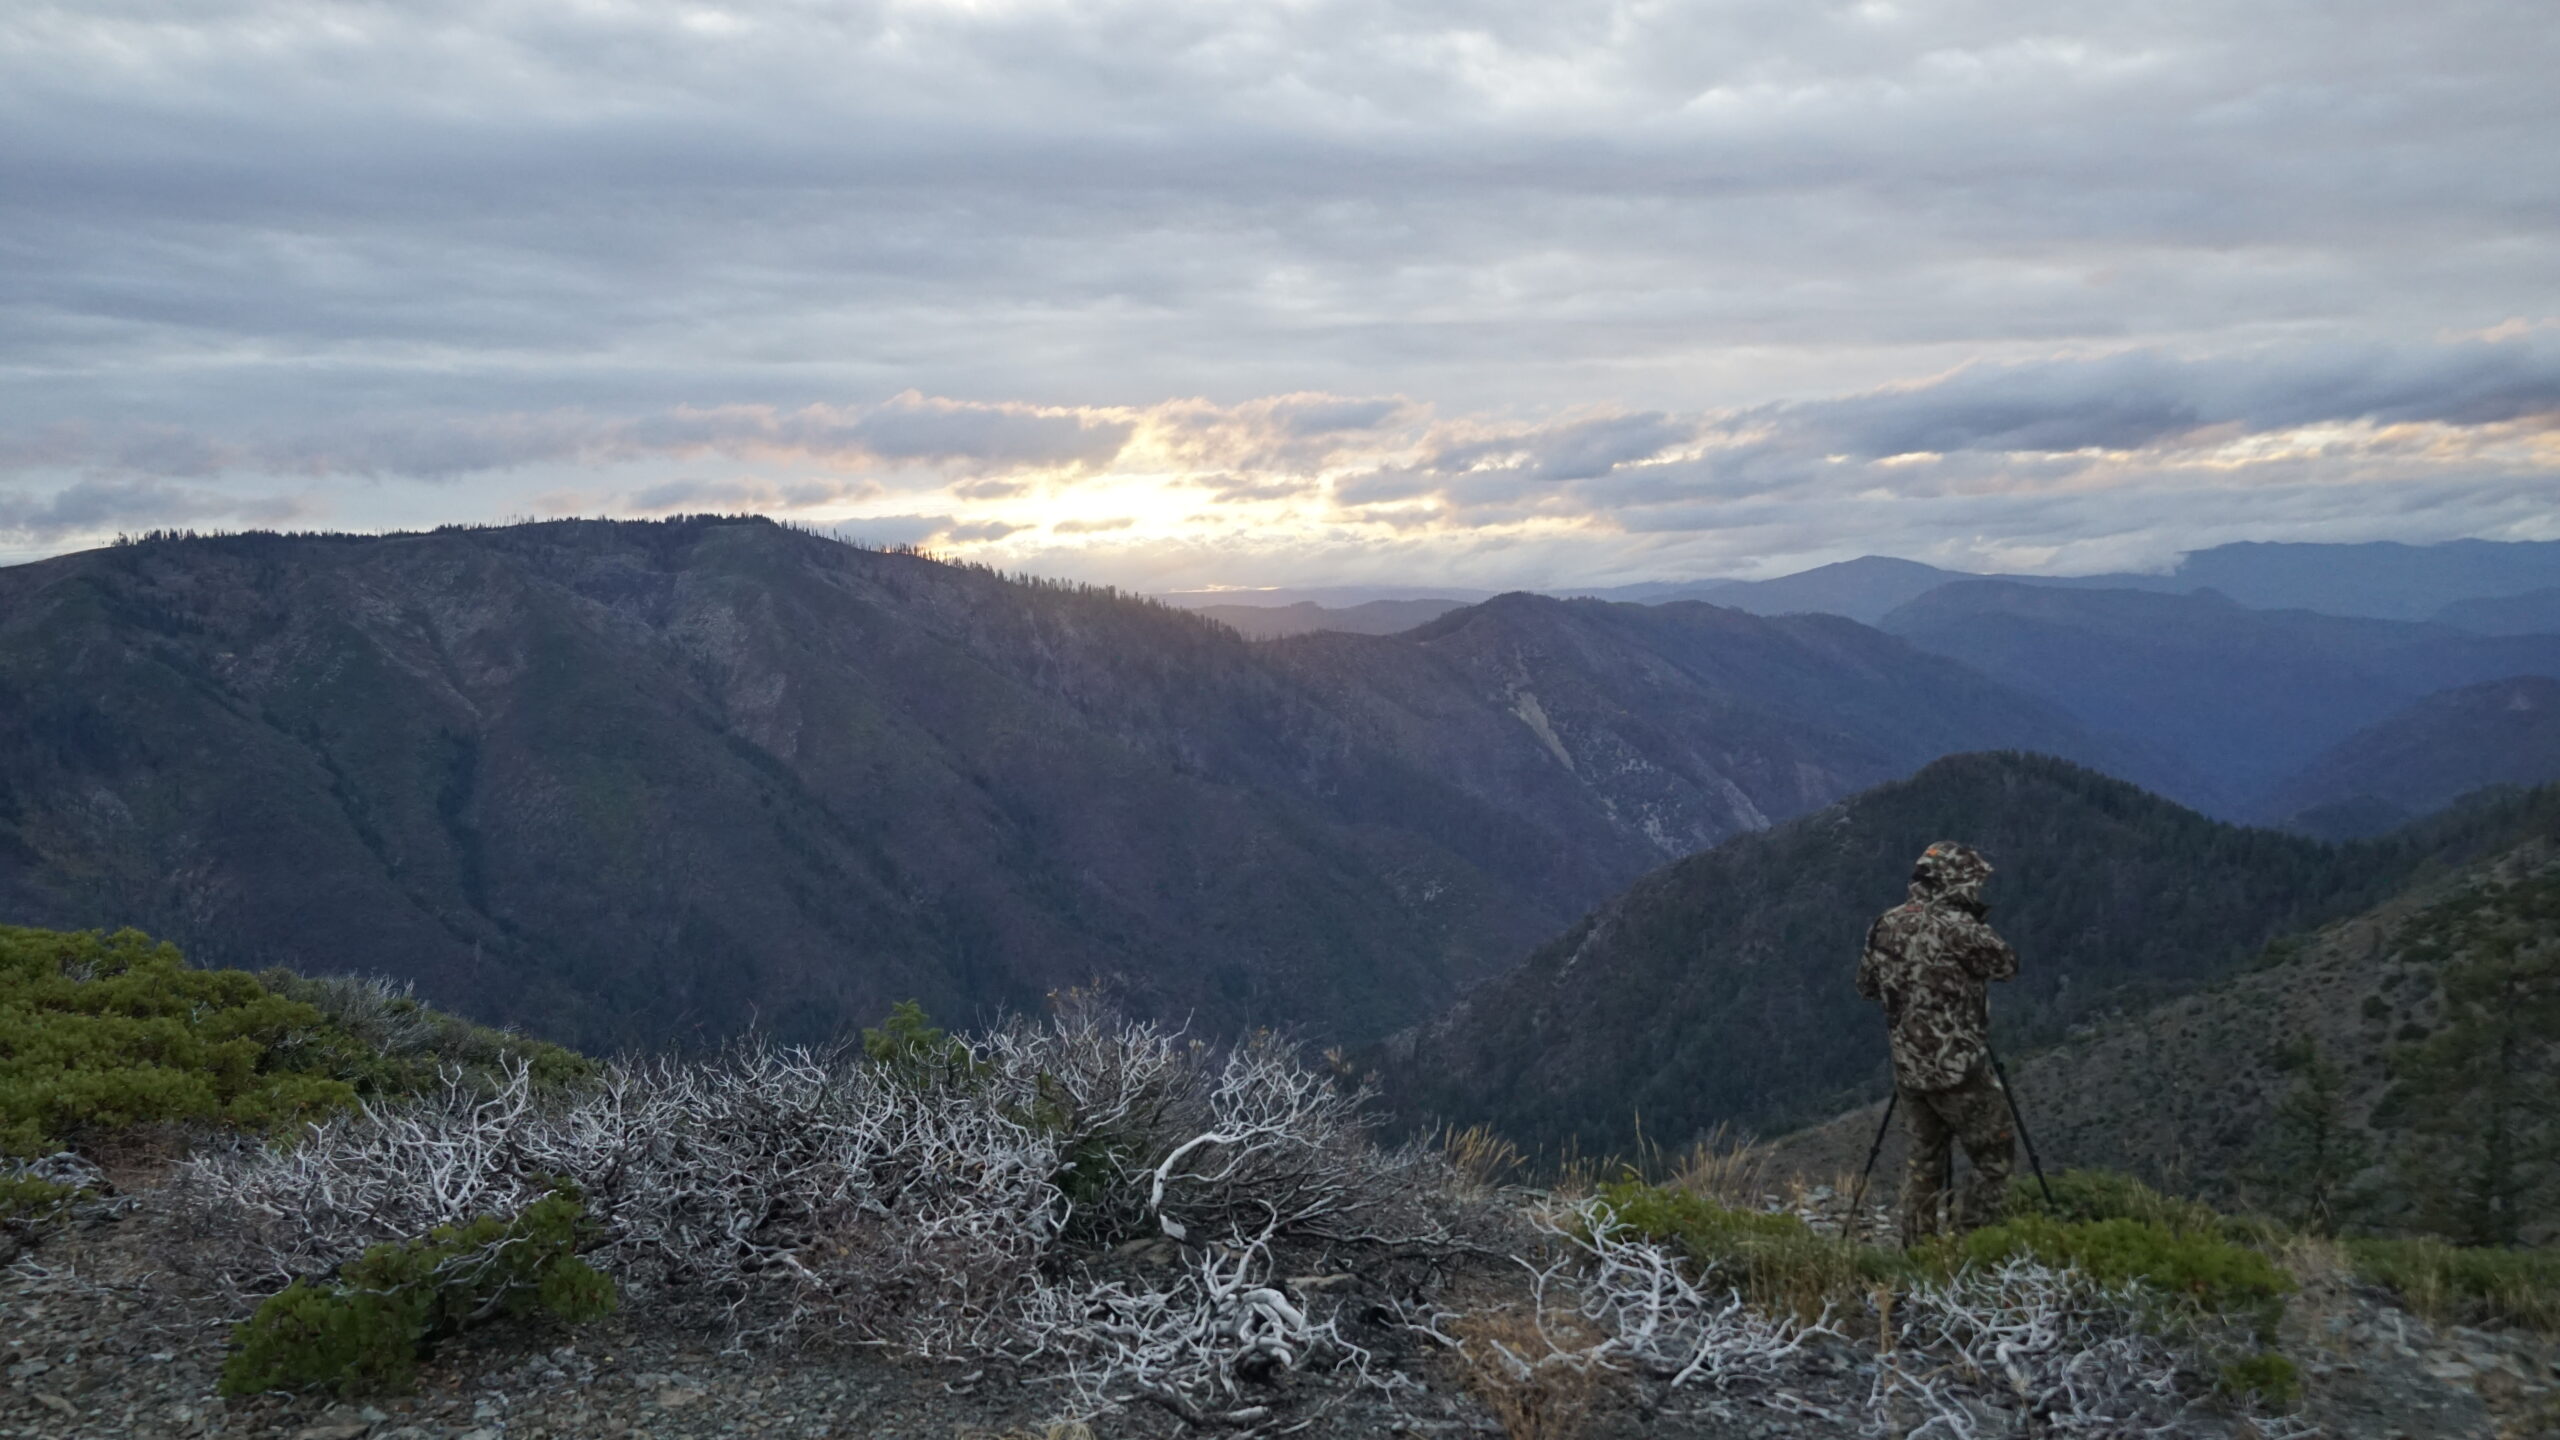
[(2463, 1283), (2200, 1268), (1775, 1261)]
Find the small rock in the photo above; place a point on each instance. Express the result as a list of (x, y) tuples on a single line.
[(56, 1403), (343, 1430)]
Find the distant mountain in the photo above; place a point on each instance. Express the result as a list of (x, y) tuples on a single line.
[(1717, 989), (624, 782), (2244, 697), (1375, 617), (1331, 597), (2506, 732), (2535, 612), (2218, 1092), (1862, 589), (2385, 579)]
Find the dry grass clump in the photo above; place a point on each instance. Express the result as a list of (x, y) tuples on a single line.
[(1539, 1377), (1479, 1160)]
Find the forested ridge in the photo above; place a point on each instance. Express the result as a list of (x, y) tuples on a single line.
[(1717, 989)]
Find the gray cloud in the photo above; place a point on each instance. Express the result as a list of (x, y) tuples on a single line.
[(95, 505), (2143, 398), (919, 429), (345, 251)]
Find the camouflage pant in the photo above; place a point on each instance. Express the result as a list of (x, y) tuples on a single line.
[(1974, 1112)]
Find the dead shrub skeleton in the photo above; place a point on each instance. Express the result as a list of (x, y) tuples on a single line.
[(985, 1209)]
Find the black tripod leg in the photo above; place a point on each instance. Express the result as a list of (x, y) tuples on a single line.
[(2017, 1115), (1858, 1197)]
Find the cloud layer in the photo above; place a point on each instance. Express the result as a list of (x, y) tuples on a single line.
[(1289, 292)]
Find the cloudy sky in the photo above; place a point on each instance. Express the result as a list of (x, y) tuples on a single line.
[(1182, 293)]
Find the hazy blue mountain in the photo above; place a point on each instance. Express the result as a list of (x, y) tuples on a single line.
[(2244, 697), (1718, 988), (629, 782), (2535, 612), (1862, 589), (2505, 732), (1374, 617), (2384, 579), (1331, 597)]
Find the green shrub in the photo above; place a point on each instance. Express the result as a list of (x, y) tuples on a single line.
[(909, 1046), (1776, 1261), (2466, 1283), (2267, 1377), (100, 1032), (2194, 1266), (26, 1200), (2085, 1195), (366, 1333)]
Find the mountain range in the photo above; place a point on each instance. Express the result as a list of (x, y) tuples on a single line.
[(2447, 745), (2243, 698), (634, 782), (1716, 990), (2490, 587)]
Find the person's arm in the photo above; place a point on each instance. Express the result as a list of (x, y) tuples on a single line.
[(1988, 955), (1867, 985)]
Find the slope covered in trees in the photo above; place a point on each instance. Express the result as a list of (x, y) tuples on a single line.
[(2506, 732), (628, 782), (2394, 1070), (1717, 989)]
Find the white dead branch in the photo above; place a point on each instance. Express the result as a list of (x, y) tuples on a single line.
[(1652, 1314), (1208, 1342), (2022, 1341)]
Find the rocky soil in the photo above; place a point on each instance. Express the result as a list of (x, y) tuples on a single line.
[(100, 1337)]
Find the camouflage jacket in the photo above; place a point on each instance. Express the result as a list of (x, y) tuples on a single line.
[(1929, 962)]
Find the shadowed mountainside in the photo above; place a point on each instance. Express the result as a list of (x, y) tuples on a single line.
[(2244, 697), (2506, 732), (1717, 989), (626, 782)]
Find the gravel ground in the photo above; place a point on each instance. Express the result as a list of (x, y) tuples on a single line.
[(100, 1338)]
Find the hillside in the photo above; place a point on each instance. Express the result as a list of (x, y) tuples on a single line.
[(2309, 1079), (624, 783), (1717, 989), (2506, 732), (2244, 697)]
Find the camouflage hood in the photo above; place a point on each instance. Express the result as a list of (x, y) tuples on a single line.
[(1950, 873)]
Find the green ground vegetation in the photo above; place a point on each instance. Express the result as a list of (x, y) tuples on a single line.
[(103, 1032), (2110, 1227), (366, 1333), (2466, 1284), (2472, 1114)]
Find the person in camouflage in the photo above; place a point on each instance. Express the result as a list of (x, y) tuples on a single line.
[(1929, 961)]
